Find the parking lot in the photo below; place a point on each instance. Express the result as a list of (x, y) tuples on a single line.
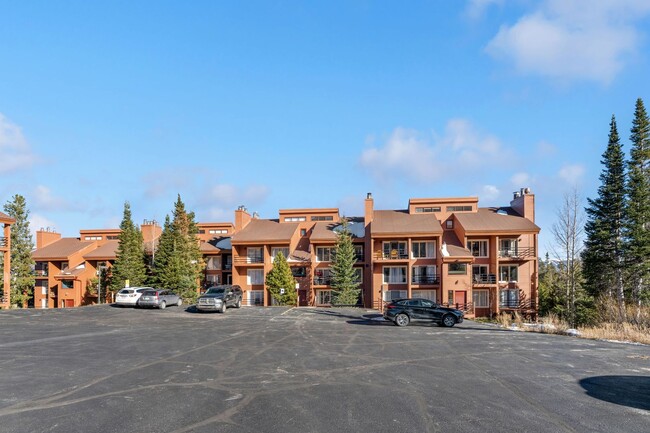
[(107, 369)]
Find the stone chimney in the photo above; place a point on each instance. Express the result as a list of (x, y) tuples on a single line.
[(370, 209), (46, 236), (242, 218), (523, 202)]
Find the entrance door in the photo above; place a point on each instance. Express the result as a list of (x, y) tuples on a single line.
[(68, 303), (460, 299)]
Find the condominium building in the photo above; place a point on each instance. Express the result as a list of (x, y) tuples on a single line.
[(450, 250), (5, 244)]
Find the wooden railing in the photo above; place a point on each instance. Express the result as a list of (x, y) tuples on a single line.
[(248, 259), (3, 242), (517, 253)]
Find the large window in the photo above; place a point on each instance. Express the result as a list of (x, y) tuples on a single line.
[(213, 280), (390, 295), (324, 254), (394, 275), (322, 276), (395, 250), (426, 294), (67, 284), (358, 252), (295, 219), (509, 298), (478, 248), (275, 251), (323, 297), (427, 209), (255, 276), (458, 268), (508, 247), (359, 272), (322, 218), (254, 254), (213, 263), (508, 273), (423, 250), (424, 275), (480, 275), (480, 299), (255, 297), (299, 271), (459, 208)]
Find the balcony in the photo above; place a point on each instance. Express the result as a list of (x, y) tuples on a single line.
[(40, 273), (484, 279), (515, 304), (425, 279), (392, 255), (248, 260), (3, 242), (523, 253), (322, 281)]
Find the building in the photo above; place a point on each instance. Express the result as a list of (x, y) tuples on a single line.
[(5, 245), (479, 259)]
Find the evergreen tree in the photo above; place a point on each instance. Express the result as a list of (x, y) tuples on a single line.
[(604, 247), (22, 244), (130, 260), (345, 280), (637, 222), (178, 262), (279, 280)]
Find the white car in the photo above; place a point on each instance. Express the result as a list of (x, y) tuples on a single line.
[(129, 296)]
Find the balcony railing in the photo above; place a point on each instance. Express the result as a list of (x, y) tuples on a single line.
[(392, 255), (425, 279), (484, 278), (249, 259), (40, 272), (3, 242), (517, 253), (466, 308), (322, 281), (514, 304)]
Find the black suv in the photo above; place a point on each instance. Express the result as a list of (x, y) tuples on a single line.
[(218, 298), (402, 311)]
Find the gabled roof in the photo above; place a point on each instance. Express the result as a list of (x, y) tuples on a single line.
[(326, 231), (387, 222), (108, 251), (495, 220), (261, 231), (452, 246), (6, 218), (61, 249)]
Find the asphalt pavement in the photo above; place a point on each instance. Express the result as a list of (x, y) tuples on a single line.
[(106, 369)]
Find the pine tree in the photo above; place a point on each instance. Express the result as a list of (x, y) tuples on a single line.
[(281, 282), (178, 262), (22, 244), (345, 280), (637, 221), (130, 259), (604, 247)]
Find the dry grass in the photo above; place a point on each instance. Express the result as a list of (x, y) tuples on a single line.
[(618, 331), (504, 320)]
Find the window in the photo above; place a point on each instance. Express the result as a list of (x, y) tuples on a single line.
[(390, 295), (323, 297), (508, 273), (295, 219), (322, 276), (303, 232), (426, 294), (359, 272), (424, 275), (255, 297), (509, 298), (93, 238), (427, 209), (213, 263), (478, 248), (213, 280), (112, 237), (480, 298), (459, 208), (255, 276), (201, 232), (449, 224), (218, 231), (423, 250), (508, 247), (480, 275), (358, 252), (275, 251), (458, 268), (299, 272), (254, 255), (322, 218), (395, 250), (67, 284), (324, 254), (394, 275)]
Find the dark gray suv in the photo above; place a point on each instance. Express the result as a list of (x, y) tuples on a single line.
[(218, 298)]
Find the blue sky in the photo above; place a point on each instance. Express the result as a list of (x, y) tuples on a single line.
[(281, 104)]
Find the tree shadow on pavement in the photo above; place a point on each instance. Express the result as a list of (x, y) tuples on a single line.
[(631, 391)]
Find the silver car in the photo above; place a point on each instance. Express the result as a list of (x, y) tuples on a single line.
[(129, 296), (159, 298)]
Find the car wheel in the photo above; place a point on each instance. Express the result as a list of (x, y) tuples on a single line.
[(162, 305), (402, 320), (179, 303), (223, 307), (238, 304), (448, 321)]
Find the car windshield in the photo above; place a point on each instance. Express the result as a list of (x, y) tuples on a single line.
[(149, 292), (215, 291), (125, 291), (141, 290)]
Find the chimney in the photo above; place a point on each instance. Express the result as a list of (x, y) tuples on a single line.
[(242, 218), (523, 203), (47, 236), (150, 231), (370, 212)]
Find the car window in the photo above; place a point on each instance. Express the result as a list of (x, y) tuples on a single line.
[(125, 291), (141, 290), (149, 292), (403, 302), (427, 304), (215, 290), (413, 303)]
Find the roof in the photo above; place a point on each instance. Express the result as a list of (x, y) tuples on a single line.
[(208, 248), (299, 256), (67, 272), (107, 251), (216, 245), (386, 222), (453, 246), (6, 218), (495, 220), (262, 231), (326, 231), (61, 249)]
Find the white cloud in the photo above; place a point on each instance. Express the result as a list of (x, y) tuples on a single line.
[(520, 179), (45, 200), (475, 9), (571, 173), (15, 152), (573, 39), (409, 154), (37, 222), (227, 195), (489, 193)]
